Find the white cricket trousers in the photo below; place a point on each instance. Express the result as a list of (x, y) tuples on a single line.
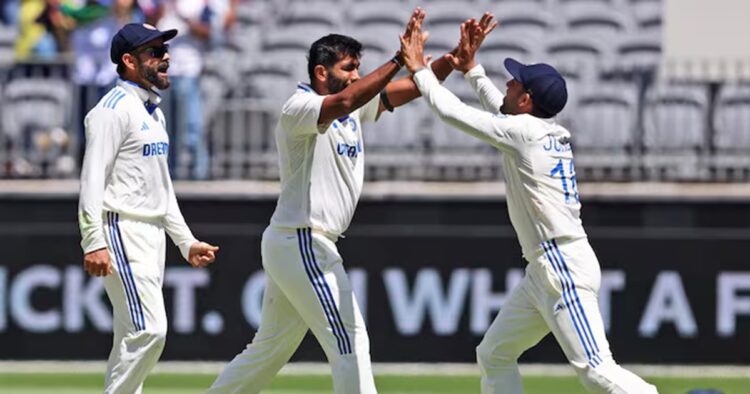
[(306, 287), (137, 253), (558, 294)]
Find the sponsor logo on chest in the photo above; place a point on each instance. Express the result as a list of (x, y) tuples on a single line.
[(348, 143), (155, 149), (347, 150)]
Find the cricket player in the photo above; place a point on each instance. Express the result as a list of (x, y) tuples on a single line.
[(559, 291), (321, 154), (127, 202)]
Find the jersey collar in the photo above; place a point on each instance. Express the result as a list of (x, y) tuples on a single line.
[(305, 87), (149, 97)]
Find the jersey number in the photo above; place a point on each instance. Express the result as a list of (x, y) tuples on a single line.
[(560, 169)]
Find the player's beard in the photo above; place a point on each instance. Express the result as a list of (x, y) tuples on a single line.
[(334, 84), (151, 74), (505, 108)]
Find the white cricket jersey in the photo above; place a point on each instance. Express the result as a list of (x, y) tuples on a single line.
[(542, 195), (322, 168), (125, 167)]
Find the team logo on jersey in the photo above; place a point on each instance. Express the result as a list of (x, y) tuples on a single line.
[(344, 120)]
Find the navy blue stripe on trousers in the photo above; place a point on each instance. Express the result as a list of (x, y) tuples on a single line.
[(127, 274), (570, 302), (121, 270), (301, 241), (575, 293), (321, 278)]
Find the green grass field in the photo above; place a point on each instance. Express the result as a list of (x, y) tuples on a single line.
[(28, 383)]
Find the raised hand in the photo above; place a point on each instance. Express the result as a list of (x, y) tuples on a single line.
[(473, 34), (484, 27), (412, 43), (416, 18)]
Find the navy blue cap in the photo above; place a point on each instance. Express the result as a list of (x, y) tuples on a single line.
[(545, 84), (132, 36)]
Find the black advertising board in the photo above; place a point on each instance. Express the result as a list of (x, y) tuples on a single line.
[(429, 275)]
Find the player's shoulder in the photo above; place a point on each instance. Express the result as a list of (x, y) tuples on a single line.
[(116, 101), (303, 98), (533, 128), (115, 104)]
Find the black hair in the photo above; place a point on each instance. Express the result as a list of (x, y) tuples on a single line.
[(328, 50), (120, 68)]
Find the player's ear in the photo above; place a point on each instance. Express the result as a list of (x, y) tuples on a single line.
[(525, 104), (129, 60), (320, 72)]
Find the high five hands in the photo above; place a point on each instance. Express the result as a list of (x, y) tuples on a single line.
[(473, 33), (412, 43)]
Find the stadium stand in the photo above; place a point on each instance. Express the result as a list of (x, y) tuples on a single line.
[(524, 19), (498, 47), (637, 53), (36, 115), (675, 122), (597, 20), (301, 16), (578, 54), (605, 126), (731, 139), (628, 124), (242, 141), (7, 39)]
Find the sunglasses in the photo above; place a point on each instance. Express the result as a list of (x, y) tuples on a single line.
[(156, 52)]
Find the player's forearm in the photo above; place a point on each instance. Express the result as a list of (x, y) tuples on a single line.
[(358, 93), (405, 90), (90, 221), (92, 236), (441, 68), (176, 227), (489, 95), (91, 198), (451, 110)]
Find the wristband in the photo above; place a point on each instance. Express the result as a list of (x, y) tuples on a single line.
[(396, 60), (386, 103)]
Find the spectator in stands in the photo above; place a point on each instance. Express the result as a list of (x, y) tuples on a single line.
[(202, 25), (34, 39), (90, 43), (46, 25), (10, 10), (151, 10)]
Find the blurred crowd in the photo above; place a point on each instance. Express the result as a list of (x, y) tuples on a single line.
[(83, 28), (78, 33)]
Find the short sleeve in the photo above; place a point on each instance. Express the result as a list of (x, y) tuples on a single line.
[(300, 114), (370, 111)]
